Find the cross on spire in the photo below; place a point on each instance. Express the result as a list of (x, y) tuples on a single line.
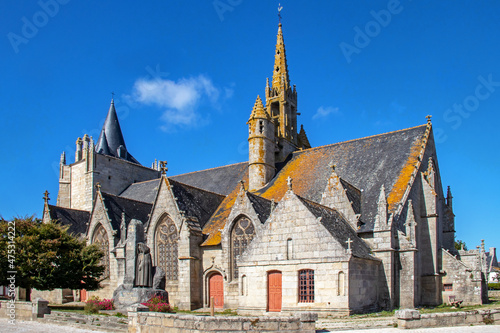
[(113, 95), (348, 241), (280, 7), (163, 167), (46, 196)]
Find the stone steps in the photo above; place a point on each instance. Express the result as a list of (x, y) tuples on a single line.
[(102, 323)]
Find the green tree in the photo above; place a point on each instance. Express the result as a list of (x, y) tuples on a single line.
[(46, 257), (459, 243)]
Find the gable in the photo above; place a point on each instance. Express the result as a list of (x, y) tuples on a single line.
[(293, 232)]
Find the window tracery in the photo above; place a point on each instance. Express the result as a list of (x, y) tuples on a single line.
[(101, 239), (241, 235), (167, 253)]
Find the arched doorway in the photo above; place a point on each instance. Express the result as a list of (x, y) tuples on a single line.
[(274, 291), (216, 290)]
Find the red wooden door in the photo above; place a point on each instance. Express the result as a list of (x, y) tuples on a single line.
[(216, 290), (83, 295), (274, 291)]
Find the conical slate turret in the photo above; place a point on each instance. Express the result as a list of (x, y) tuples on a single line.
[(111, 140)]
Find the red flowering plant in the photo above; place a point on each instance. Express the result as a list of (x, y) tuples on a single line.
[(94, 304), (158, 303)]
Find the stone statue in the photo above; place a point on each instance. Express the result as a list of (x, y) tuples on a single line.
[(144, 267)]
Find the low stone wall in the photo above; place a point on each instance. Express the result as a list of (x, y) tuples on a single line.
[(409, 319), (24, 310), (153, 322)]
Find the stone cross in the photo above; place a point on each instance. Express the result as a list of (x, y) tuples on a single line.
[(46, 196), (289, 182), (428, 118), (163, 167), (280, 7), (348, 241), (98, 186)]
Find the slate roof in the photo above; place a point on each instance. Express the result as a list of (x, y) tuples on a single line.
[(142, 191), (363, 165), (111, 140), (75, 219), (133, 210), (196, 202), (339, 228), (367, 163), (221, 180), (262, 206)]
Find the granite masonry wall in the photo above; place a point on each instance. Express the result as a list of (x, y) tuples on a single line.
[(153, 322)]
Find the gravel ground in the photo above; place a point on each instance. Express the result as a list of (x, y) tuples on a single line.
[(36, 327)]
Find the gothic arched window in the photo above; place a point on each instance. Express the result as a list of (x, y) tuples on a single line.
[(241, 235), (101, 239), (167, 249)]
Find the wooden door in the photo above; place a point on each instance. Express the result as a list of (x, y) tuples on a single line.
[(216, 290), (83, 295), (274, 291)]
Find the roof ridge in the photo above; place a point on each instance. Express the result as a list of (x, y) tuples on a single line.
[(196, 188), (78, 210), (222, 166), (352, 140), (124, 198)]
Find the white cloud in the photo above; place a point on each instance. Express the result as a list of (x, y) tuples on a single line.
[(324, 112), (180, 99)]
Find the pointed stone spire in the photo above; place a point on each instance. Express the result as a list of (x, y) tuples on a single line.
[(381, 219), (449, 199), (111, 140), (258, 110), (303, 140), (280, 64)]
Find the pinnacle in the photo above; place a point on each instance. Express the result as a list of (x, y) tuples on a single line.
[(258, 110)]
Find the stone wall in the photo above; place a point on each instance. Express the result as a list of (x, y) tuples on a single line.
[(24, 310), (460, 281), (410, 319), (363, 280), (174, 323)]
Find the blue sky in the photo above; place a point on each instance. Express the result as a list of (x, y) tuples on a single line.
[(186, 74)]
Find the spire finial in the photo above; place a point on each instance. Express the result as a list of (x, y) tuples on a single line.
[(280, 7), (163, 167), (289, 181), (242, 186), (428, 118), (112, 97), (98, 186), (46, 196)]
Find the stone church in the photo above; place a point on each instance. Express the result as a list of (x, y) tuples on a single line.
[(354, 226)]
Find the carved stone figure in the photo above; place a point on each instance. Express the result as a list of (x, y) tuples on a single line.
[(144, 268)]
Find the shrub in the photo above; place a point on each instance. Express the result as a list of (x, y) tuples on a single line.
[(494, 286), (94, 304), (158, 304)]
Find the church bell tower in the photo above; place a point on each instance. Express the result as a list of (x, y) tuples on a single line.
[(273, 131)]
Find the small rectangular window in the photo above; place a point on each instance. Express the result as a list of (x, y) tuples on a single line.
[(306, 286), (448, 287)]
